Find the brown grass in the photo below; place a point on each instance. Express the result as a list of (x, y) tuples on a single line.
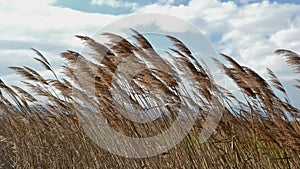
[(40, 128)]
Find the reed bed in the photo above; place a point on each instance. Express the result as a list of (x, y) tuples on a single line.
[(41, 128)]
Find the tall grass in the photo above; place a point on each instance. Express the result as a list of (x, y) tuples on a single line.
[(40, 128)]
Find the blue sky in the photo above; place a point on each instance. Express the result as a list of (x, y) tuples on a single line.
[(248, 30)]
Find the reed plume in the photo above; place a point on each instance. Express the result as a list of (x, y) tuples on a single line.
[(40, 126)]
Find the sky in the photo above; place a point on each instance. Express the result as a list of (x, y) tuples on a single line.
[(248, 30)]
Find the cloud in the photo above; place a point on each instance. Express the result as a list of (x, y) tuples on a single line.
[(43, 23), (30, 5), (247, 1), (169, 2), (115, 3), (288, 38), (37, 24), (241, 31)]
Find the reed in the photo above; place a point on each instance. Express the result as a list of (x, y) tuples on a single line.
[(40, 127)]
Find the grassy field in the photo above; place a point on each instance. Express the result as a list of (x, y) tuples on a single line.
[(41, 128)]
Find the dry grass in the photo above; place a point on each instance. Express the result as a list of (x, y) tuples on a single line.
[(40, 128)]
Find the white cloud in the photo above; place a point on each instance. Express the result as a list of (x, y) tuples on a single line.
[(115, 3), (41, 22), (169, 2), (287, 38), (37, 24), (29, 5), (247, 1)]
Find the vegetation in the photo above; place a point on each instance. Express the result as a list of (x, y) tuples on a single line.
[(40, 128)]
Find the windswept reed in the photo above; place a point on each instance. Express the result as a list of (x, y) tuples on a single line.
[(40, 127)]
